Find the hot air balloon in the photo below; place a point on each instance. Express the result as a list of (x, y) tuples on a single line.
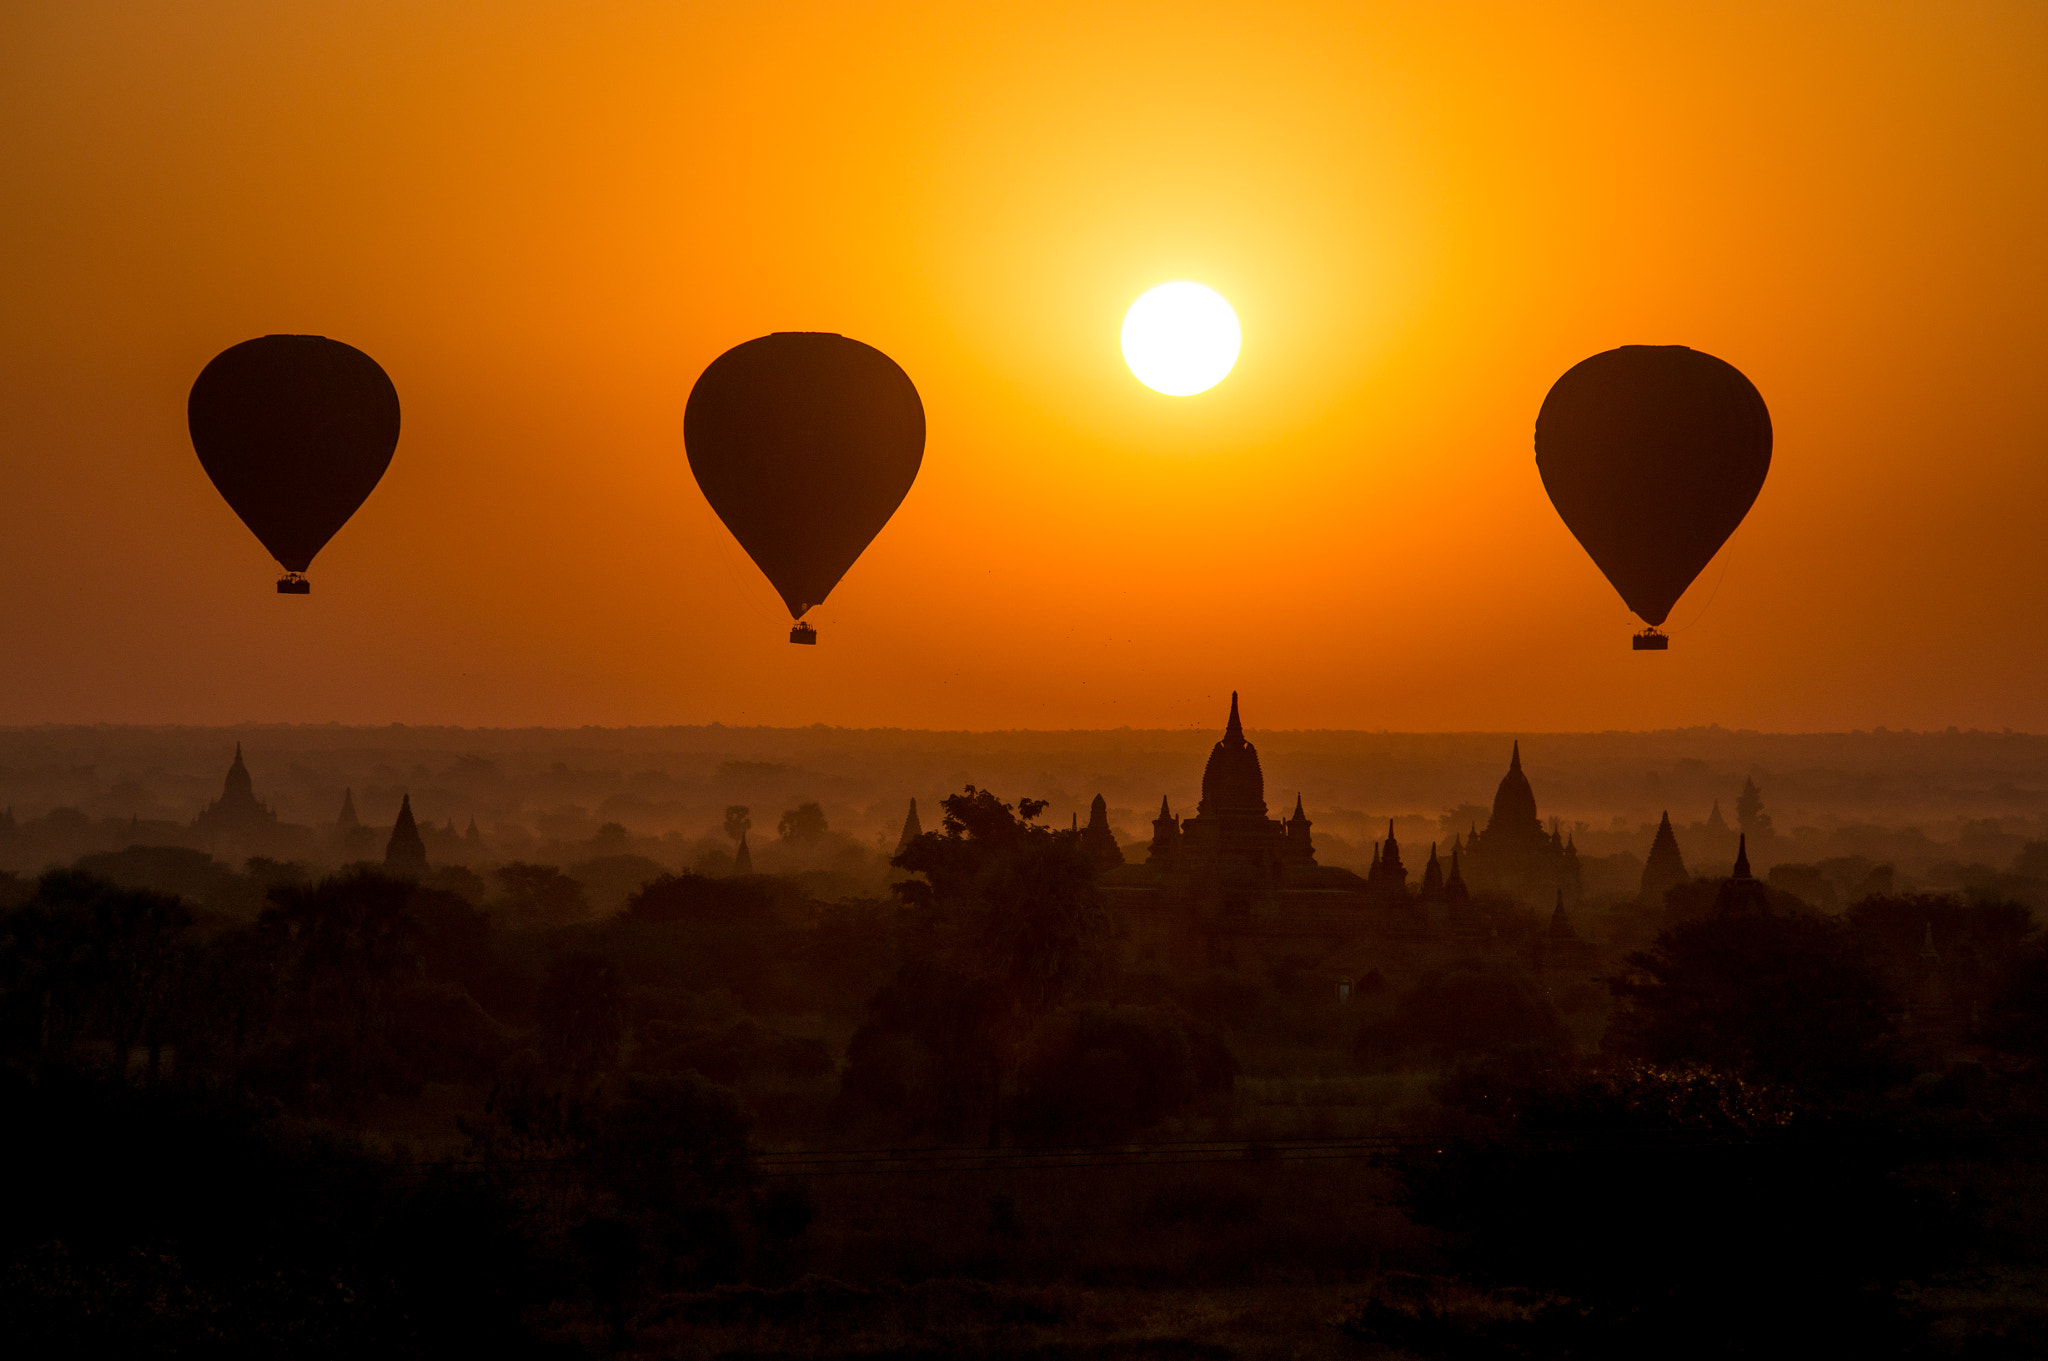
[(804, 443), (295, 432), (1652, 455)]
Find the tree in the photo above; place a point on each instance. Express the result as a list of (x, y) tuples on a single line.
[(1095, 1073), (1668, 1211), (86, 959), (1469, 1008), (738, 821), (927, 1053), (802, 824), (1749, 810), (346, 949), (582, 1017), (1790, 999), (698, 898), (1024, 894), (1011, 908), (537, 895)]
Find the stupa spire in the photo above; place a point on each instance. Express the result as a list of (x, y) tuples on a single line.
[(912, 829), (405, 852)]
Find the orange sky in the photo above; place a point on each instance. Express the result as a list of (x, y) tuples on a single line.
[(544, 220)]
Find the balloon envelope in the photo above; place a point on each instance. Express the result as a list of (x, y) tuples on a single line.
[(804, 443), (1652, 455), (295, 432)]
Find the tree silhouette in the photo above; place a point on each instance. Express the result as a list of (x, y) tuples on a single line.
[(535, 895), (738, 821), (1011, 906), (1785, 998), (1668, 1211), (802, 824), (85, 959), (582, 1017), (1749, 810)]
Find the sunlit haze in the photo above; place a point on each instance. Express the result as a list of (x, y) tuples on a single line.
[(544, 221)]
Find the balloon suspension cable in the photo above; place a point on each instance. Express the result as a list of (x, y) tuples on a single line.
[(1727, 556), (291, 583)]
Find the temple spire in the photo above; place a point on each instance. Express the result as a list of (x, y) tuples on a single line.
[(1455, 883), (1742, 857), (1515, 758), (743, 859), (1098, 839), (1233, 731), (405, 853), (912, 829)]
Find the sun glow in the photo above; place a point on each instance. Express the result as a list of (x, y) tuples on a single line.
[(1181, 339)]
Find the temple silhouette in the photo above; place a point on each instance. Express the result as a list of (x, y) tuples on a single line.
[(237, 818), (1231, 872), (1230, 852), (406, 852), (1515, 855)]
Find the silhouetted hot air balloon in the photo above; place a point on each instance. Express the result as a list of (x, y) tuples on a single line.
[(804, 443), (1652, 454), (295, 432)]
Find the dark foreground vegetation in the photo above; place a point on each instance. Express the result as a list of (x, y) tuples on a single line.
[(379, 1116)]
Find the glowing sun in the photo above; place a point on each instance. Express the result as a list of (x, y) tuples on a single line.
[(1181, 339)]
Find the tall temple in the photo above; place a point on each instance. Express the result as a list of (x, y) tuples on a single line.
[(1514, 855), (236, 816), (1230, 852), (1230, 842)]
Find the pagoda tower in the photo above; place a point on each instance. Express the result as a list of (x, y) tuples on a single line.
[(405, 853), (1098, 841), (1165, 837), (1665, 869), (1432, 889), (912, 829), (1299, 847), (1742, 891)]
